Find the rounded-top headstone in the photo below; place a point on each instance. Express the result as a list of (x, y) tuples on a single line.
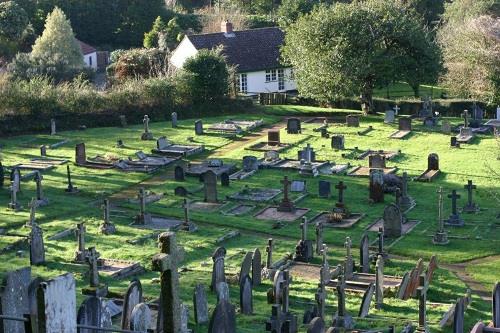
[(140, 318)]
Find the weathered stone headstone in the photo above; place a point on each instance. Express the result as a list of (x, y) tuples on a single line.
[(250, 163), (304, 249), (223, 318), (40, 198), (140, 318), (364, 309), (224, 179), (307, 154), (298, 186), (218, 271), (15, 187), (286, 205), (174, 119), (210, 186), (147, 135), (53, 127), (380, 239), (184, 319), (441, 235), (319, 238), (324, 189), (256, 267), (376, 161), (200, 305), (133, 297), (273, 138), (81, 252), (446, 127), (393, 221), (107, 228), (80, 154), (14, 299), (32, 220), (338, 142), (342, 319), (352, 121), (246, 267), (70, 188), (376, 185), (92, 259), (455, 219), (470, 206), (93, 312), (37, 249), (389, 117), (246, 296), (379, 282), (179, 174), (222, 291), (317, 325), (43, 150), (181, 191), (293, 126), (405, 124), (454, 142), (56, 299), (364, 254), (349, 262), (269, 251), (422, 303), (458, 317), (198, 127)]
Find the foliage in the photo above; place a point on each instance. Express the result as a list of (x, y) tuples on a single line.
[(163, 36), (290, 10), (138, 63), (429, 10), (151, 37), (207, 76), (346, 49), (13, 20), (470, 40)]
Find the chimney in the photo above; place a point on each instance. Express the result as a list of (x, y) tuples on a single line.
[(227, 28)]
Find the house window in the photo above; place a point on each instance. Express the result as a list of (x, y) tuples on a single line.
[(243, 83), (271, 75), (281, 80), (292, 74), (90, 60)]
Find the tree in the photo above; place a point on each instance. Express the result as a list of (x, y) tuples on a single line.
[(151, 37), (13, 20), (207, 76), (348, 49), (290, 10), (429, 10), (58, 41)]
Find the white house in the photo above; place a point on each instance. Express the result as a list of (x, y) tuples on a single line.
[(254, 52), (89, 54)]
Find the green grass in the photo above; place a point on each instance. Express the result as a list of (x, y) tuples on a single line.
[(470, 162), (403, 90)]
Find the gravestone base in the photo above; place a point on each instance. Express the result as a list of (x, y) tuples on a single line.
[(304, 251), (147, 136), (346, 222), (72, 190), (100, 291), (143, 219), (189, 227), (406, 227), (473, 208), (265, 146), (256, 194), (42, 202), (307, 170), (272, 213), (107, 228), (454, 221), (80, 256), (440, 238), (14, 206), (343, 322)]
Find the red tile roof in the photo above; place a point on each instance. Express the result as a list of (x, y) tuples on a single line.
[(86, 48)]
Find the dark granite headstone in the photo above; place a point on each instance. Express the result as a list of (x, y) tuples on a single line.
[(324, 189), (180, 191), (376, 185), (273, 138), (210, 186), (376, 161), (393, 221), (293, 126), (454, 142), (433, 162), (224, 179), (198, 127), (496, 305), (246, 297), (179, 174), (223, 318), (364, 309), (458, 317), (405, 124), (338, 142)]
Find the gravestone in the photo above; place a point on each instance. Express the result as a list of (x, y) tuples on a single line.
[(37, 249), (246, 267), (43, 150), (441, 235), (123, 120), (198, 127), (256, 268), (269, 251), (273, 138), (133, 297), (405, 200), (140, 318), (53, 127), (15, 187), (298, 186), (470, 206), (70, 188), (218, 272), (250, 163), (174, 119), (393, 221), (271, 156), (181, 191), (92, 259), (304, 249), (107, 228), (405, 124), (286, 205), (324, 189), (179, 174), (80, 154), (376, 161), (379, 282), (200, 305), (14, 299), (496, 305), (366, 301), (455, 219), (364, 254), (352, 121), (446, 127), (222, 291), (210, 186), (433, 161), (338, 142), (317, 325), (342, 319), (223, 318), (348, 262), (246, 297), (389, 117), (307, 154), (376, 185), (293, 126), (80, 252), (93, 312), (57, 305), (147, 135), (224, 179), (422, 302), (458, 317), (319, 237), (40, 198), (454, 142)]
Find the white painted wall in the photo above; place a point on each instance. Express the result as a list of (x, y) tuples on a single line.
[(183, 51), (91, 60), (256, 82)]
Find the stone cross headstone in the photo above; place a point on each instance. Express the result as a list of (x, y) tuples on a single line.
[(269, 251), (80, 252), (304, 249), (93, 312), (53, 127), (32, 220), (342, 319), (179, 174), (14, 189), (37, 249), (210, 186), (92, 260), (166, 262), (218, 270), (379, 282), (140, 319), (324, 189), (147, 135), (56, 313), (364, 309), (319, 237), (441, 235), (246, 296), (200, 305), (286, 204), (107, 228), (470, 206), (223, 318), (393, 221), (174, 119), (70, 188), (338, 142), (364, 254), (293, 126), (341, 188), (380, 241), (376, 185), (14, 298), (396, 109), (198, 127), (41, 200), (455, 219), (389, 116), (256, 268), (132, 298)]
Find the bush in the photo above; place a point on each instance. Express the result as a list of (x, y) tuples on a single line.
[(138, 63)]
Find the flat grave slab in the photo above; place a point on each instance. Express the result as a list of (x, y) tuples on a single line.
[(329, 120), (289, 164), (385, 153), (235, 126), (272, 213), (256, 194), (428, 175), (201, 168), (239, 210), (40, 164), (150, 198), (205, 206), (264, 146), (176, 150), (399, 134), (362, 171), (361, 281), (407, 227), (159, 223), (119, 269), (345, 223)]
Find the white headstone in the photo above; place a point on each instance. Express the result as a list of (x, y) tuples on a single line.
[(498, 112)]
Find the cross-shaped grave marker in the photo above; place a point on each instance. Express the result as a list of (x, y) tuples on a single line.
[(454, 218), (341, 187), (470, 207), (441, 236)]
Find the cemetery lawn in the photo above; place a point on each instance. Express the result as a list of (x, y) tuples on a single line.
[(480, 238)]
